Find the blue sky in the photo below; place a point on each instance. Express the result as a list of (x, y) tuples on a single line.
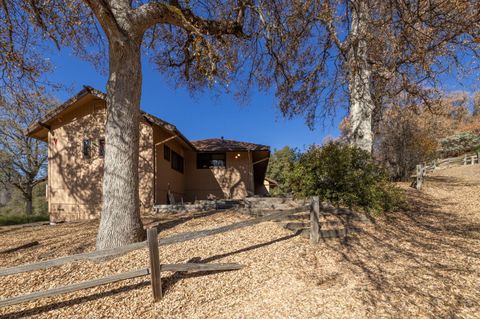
[(207, 115), (204, 115)]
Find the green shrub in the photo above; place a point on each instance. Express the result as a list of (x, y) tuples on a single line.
[(280, 168), (344, 176), (459, 144)]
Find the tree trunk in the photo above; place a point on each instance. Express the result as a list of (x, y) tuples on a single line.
[(361, 102), (28, 196), (120, 222)]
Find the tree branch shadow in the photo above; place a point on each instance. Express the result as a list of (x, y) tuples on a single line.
[(418, 259), (162, 226), (167, 283), (72, 302)]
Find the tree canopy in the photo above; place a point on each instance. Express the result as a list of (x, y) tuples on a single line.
[(23, 159), (317, 55)]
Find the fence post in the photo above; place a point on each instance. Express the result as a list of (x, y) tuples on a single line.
[(314, 220), (419, 176), (465, 160), (156, 282)]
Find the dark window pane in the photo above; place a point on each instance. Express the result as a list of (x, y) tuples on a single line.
[(101, 147), (87, 147), (177, 162), (203, 160), (166, 153), (208, 160)]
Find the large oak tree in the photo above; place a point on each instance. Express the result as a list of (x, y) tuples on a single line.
[(206, 29), (366, 54), (317, 54)]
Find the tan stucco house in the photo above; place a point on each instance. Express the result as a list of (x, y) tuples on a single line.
[(171, 167)]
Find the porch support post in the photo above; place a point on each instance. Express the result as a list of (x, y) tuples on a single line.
[(250, 162)]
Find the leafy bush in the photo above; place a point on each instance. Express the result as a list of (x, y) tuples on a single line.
[(345, 176), (459, 144), (280, 168)]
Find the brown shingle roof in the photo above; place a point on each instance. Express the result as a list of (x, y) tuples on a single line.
[(89, 90), (53, 113), (169, 127), (208, 145), (222, 145)]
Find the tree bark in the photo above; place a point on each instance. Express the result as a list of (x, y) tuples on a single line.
[(124, 27), (359, 77), (120, 222)]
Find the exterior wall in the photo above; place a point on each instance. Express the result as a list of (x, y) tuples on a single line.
[(166, 178), (267, 185), (235, 181), (75, 183)]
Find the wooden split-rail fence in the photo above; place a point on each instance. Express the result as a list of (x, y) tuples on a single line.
[(471, 159), (318, 213), (154, 268), (424, 168)]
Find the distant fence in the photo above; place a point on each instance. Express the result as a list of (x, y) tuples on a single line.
[(154, 269), (423, 169), (472, 159)]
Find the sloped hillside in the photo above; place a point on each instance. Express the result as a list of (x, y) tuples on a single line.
[(421, 262)]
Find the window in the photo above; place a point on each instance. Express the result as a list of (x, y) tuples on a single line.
[(166, 153), (177, 162), (87, 147), (208, 160), (101, 147)]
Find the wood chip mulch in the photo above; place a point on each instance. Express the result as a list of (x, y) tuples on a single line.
[(423, 262)]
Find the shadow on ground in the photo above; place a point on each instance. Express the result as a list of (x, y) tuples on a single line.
[(420, 262), (423, 261), (167, 282)]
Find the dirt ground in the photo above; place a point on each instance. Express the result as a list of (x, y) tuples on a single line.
[(420, 263)]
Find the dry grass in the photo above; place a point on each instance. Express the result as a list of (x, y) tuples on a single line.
[(423, 262)]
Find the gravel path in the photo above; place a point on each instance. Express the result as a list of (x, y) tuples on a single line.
[(420, 263)]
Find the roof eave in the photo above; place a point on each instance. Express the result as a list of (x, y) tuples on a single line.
[(34, 127), (234, 150)]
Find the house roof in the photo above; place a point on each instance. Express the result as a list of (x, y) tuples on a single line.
[(169, 127), (208, 145), (88, 90), (223, 145), (56, 111)]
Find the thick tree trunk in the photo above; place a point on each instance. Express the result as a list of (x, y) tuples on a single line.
[(120, 222), (359, 77)]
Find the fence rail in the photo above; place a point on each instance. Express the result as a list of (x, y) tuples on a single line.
[(319, 210), (155, 268), (174, 239), (423, 169), (471, 159)]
